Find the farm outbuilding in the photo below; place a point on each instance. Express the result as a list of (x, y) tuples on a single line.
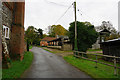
[(111, 47), (62, 43)]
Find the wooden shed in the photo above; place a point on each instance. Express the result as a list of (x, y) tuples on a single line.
[(111, 47)]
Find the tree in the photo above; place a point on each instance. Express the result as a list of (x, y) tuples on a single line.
[(106, 25), (30, 34), (86, 35), (113, 36), (55, 30), (45, 35), (33, 35), (40, 33), (38, 36)]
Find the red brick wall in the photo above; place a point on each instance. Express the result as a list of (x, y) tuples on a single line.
[(0, 49), (17, 31), (43, 43)]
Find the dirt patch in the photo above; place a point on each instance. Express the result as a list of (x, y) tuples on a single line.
[(65, 53), (94, 51), (59, 52)]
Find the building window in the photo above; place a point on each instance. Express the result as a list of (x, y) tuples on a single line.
[(6, 31)]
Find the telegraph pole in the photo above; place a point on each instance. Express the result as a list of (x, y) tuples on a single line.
[(75, 43)]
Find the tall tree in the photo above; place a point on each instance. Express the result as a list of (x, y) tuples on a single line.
[(55, 30), (106, 25), (30, 34), (33, 35), (40, 33), (45, 35), (86, 35)]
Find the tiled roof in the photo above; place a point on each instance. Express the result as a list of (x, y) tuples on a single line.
[(48, 38)]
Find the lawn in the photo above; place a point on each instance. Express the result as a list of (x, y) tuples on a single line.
[(94, 50), (30, 47), (18, 67), (103, 71)]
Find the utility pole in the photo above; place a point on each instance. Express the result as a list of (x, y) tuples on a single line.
[(75, 43)]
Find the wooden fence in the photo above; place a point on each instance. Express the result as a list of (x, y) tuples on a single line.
[(81, 55)]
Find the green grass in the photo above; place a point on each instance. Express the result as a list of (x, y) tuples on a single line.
[(100, 58), (0, 72), (39, 46), (56, 50), (18, 67), (103, 71), (94, 50), (30, 47)]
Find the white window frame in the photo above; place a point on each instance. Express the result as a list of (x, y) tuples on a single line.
[(6, 35)]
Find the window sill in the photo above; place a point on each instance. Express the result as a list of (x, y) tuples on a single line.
[(7, 38)]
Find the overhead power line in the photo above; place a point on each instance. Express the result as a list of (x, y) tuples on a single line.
[(64, 13), (55, 3), (83, 13)]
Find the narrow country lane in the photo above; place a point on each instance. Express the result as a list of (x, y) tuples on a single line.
[(48, 65)]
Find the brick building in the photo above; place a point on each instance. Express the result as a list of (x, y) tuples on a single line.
[(12, 25), (44, 41)]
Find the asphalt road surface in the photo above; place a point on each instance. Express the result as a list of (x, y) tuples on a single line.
[(48, 65)]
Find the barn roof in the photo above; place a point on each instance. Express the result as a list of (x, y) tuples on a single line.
[(48, 39), (113, 42)]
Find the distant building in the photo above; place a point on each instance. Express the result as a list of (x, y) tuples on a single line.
[(44, 41), (101, 37), (61, 42), (96, 45)]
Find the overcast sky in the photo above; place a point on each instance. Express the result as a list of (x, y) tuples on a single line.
[(42, 13)]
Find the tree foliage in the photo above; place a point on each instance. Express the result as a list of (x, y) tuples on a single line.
[(86, 35), (40, 33), (29, 34), (33, 35), (45, 35), (113, 36), (106, 25), (55, 30)]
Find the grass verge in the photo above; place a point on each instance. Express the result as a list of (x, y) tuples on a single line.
[(94, 50), (52, 50), (18, 67), (30, 47), (103, 71)]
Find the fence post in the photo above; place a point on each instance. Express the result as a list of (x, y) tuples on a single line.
[(82, 55), (96, 61), (115, 70), (119, 69), (75, 54), (78, 54)]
